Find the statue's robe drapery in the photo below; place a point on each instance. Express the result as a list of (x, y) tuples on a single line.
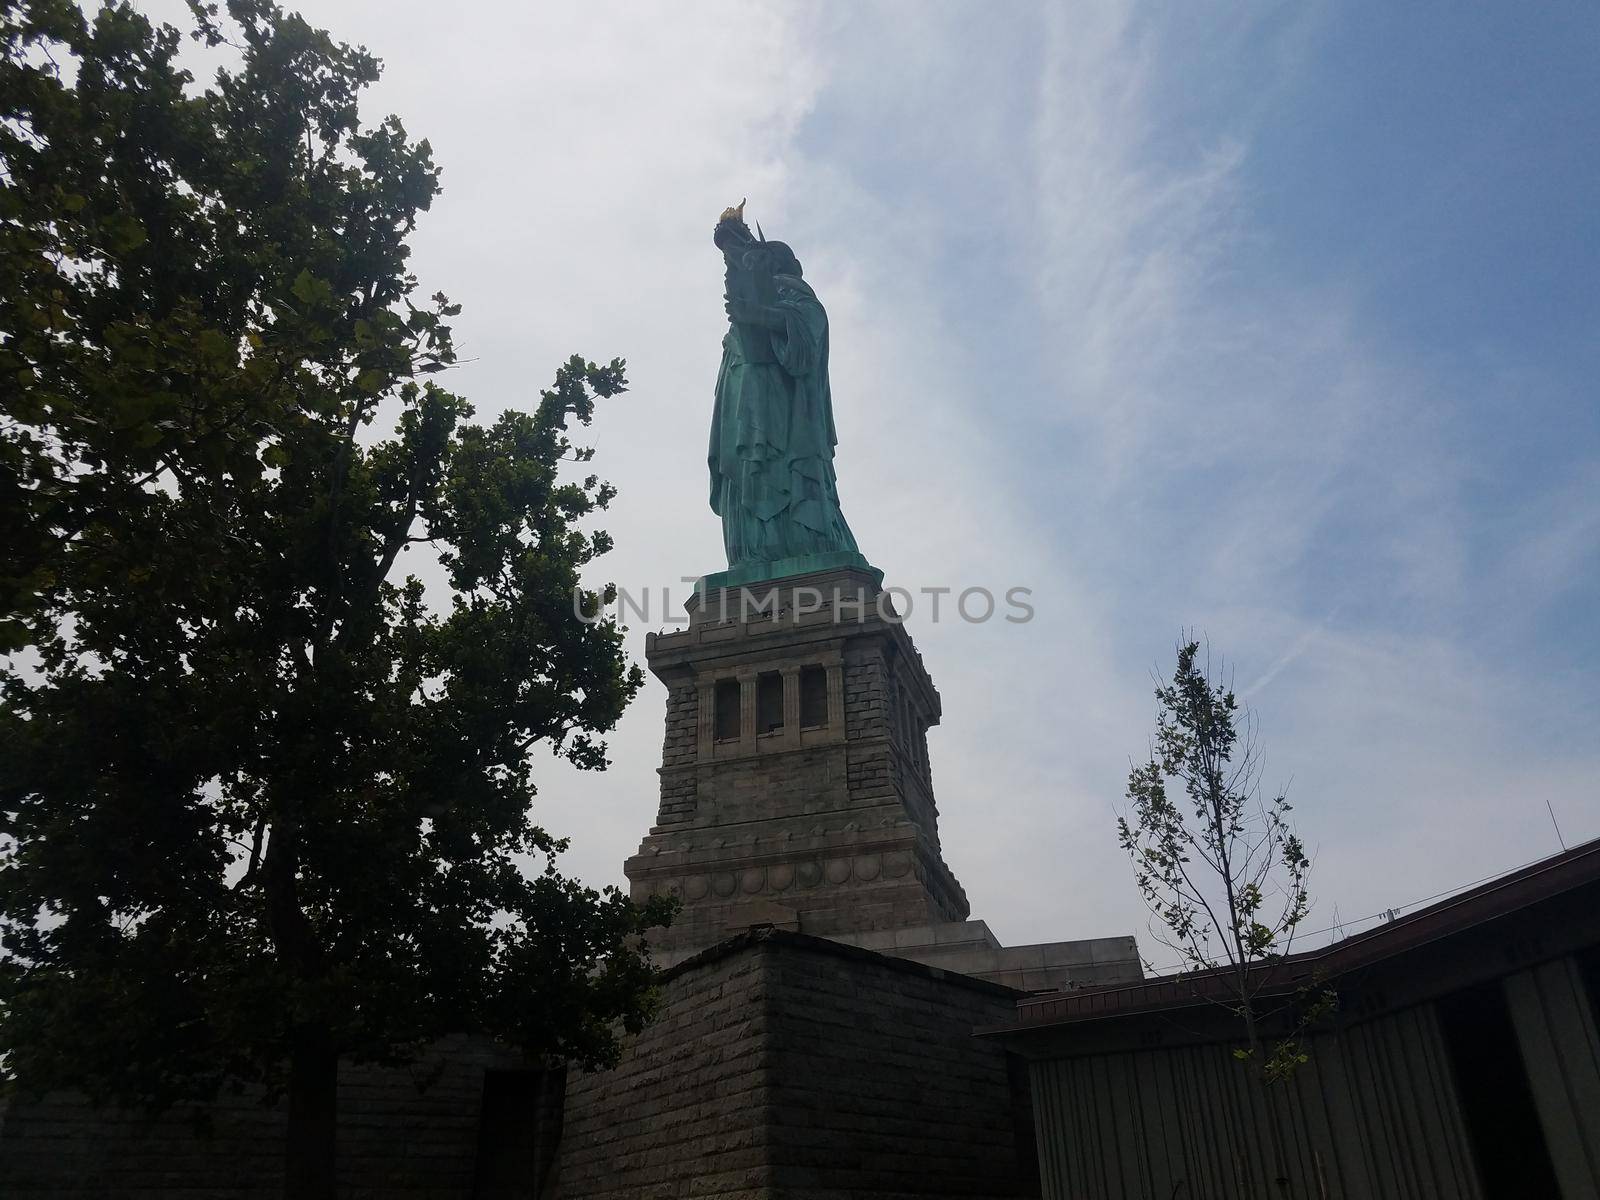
[(772, 437)]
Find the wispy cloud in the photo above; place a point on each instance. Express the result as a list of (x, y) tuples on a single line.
[(1067, 355)]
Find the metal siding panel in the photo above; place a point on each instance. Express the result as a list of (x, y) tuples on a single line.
[(1401, 1116), (1081, 1148), (1107, 1128), (1133, 1138), (1119, 1115), (1161, 1121), (1555, 1032), (1432, 1153), (1404, 1116), (1195, 1168), (1048, 1126), (1191, 1162), (1327, 1167), (1371, 1111), (1090, 1168), (1344, 1124), (1075, 1147), (1078, 1147), (1309, 1120), (1092, 1086), (1239, 1121), (1215, 1122), (1262, 1126), (1127, 1068), (1563, 984), (1254, 1157), (1453, 1126)]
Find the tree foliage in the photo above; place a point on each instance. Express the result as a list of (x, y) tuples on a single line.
[(1222, 870), (262, 790)]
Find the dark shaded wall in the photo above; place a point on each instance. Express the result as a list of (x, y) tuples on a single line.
[(406, 1134), (781, 1066), (785, 1066), (882, 1091), (1373, 1114), (1464, 1064), (687, 1102)]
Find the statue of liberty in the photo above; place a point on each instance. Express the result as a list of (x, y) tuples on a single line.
[(772, 434)]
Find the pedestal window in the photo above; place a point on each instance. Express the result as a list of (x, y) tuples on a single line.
[(813, 697), (727, 719), (769, 703)]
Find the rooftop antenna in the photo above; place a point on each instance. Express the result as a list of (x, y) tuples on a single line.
[(1556, 823)]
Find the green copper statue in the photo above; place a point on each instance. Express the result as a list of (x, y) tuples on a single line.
[(772, 434)]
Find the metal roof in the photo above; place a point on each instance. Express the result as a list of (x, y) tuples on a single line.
[(1498, 897)]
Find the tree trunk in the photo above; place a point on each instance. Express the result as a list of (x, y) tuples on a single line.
[(1279, 1169), (312, 1134)]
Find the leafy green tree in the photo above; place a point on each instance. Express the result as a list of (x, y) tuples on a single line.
[(1222, 870), (264, 795)]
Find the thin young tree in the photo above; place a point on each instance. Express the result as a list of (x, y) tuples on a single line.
[(1220, 866), (265, 793)]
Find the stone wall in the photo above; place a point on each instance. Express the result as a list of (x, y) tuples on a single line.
[(880, 1089), (781, 1066), (971, 948), (686, 1104), (678, 751), (404, 1134), (785, 1066), (831, 821)]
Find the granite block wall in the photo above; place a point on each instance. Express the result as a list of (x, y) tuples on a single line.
[(829, 817), (880, 1088), (786, 1066), (683, 1113)]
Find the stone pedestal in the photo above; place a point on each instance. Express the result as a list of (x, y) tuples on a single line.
[(795, 788)]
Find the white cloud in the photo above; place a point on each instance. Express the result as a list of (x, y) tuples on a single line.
[(1018, 414)]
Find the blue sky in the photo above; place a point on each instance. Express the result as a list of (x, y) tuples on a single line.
[(1273, 320)]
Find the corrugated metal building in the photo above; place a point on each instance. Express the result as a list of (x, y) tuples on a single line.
[(1463, 1061)]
